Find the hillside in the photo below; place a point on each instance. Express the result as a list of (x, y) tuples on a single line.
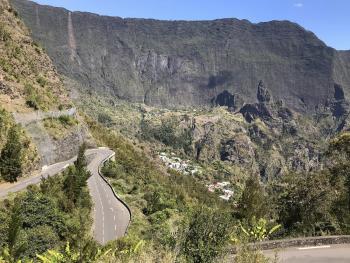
[(28, 79), (188, 63), (220, 134), (268, 75), (30, 86)]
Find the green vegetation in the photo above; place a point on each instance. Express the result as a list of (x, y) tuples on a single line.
[(175, 218), (33, 99), (42, 81), (60, 127), (167, 134), (254, 201), (76, 183), (248, 255), (162, 204), (49, 216), (304, 204), (259, 231), (67, 120), (27, 71), (309, 201), (10, 157), (18, 155), (4, 33), (206, 235)]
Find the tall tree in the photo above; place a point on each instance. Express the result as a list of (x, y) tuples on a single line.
[(82, 174), (76, 177), (253, 202), (10, 156), (80, 163), (304, 203)]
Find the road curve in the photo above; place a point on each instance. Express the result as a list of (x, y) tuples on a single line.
[(111, 216), (314, 254)]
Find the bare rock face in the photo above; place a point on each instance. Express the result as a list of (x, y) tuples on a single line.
[(239, 150), (231, 101), (183, 63), (257, 110), (339, 104), (263, 93)]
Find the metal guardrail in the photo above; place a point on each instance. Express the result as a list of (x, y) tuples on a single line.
[(114, 193)]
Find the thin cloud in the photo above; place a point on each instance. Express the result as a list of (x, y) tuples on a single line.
[(298, 5)]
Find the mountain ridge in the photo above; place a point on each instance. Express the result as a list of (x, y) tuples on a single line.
[(188, 63)]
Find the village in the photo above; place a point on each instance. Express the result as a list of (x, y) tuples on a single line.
[(185, 167), (178, 164), (221, 187)]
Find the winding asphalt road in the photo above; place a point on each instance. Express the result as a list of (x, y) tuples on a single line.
[(111, 216), (317, 254)]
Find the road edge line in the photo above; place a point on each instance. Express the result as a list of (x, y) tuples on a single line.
[(114, 193)]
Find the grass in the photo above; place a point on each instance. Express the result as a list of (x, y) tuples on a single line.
[(27, 70), (60, 127)]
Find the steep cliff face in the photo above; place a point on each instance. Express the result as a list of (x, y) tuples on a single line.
[(179, 63)]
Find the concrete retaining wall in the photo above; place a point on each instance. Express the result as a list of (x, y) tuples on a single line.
[(299, 242)]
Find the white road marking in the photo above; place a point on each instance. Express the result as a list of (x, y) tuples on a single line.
[(316, 247), (103, 214), (97, 182)]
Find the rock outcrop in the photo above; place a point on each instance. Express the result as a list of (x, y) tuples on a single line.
[(231, 101), (184, 63)]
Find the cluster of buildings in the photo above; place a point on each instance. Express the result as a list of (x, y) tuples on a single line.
[(222, 188), (185, 167), (177, 164)]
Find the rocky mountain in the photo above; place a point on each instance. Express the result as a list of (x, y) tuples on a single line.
[(189, 63), (30, 89)]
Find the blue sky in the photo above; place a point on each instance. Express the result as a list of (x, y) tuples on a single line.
[(328, 19)]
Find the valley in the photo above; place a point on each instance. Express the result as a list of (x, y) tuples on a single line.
[(201, 138)]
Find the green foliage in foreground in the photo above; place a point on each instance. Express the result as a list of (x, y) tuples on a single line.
[(48, 216), (10, 156), (259, 230), (164, 204), (175, 219), (206, 235), (18, 156), (297, 204)]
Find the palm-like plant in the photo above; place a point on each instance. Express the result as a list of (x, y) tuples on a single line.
[(259, 230)]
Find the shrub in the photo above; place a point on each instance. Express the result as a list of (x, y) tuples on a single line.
[(67, 120), (41, 81), (4, 34), (33, 99), (32, 103), (206, 236), (104, 118)]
